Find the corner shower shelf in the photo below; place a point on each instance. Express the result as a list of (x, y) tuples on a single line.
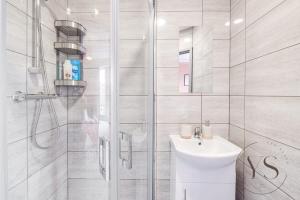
[(70, 83), (69, 87), (70, 28), (70, 48)]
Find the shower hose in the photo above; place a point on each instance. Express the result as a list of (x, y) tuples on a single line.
[(40, 63)]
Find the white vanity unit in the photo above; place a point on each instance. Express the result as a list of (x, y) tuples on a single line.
[(203, 169)]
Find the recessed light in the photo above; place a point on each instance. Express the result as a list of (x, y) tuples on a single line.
[(227, 23)]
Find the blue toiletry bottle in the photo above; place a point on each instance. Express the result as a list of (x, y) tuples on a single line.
[(76, 68)]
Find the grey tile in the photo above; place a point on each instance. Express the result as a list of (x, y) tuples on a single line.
[(169, 23), (221, 53), (52, 177), (133, 81), (220, 82), (221, 130), (237, 136), (20, 4), (16, 30), (234, 3), (88, 189), (133, 109), (162, 135), (99, 51), (163, 165), (216, 5), (178, 109), (274, 75), (139, 167), (167, 53), (83, 110), (177, 5), (49, 37), (261, 38), (83, 137), (217, 22), (17, 162), (39, 158), (92, 76), (45, 122), (61, 193), (237, 54), (133, 189), (258, 8), (284, 158), (215, 109), (35, 83), (162, 190), (134, 5), (133, 53), (47, 17), (98, 26), (19, 192), (16, 75), (89, 6), (237, 80), (274, 117), (168, 81), (84, 165), (239, 180), (238, 18), (133, 25), (139, 136), (237, 110), (16, 114)]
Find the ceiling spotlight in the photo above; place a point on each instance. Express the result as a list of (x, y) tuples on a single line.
[(238, 21)]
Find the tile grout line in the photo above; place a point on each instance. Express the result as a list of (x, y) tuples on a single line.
[(244, 92)]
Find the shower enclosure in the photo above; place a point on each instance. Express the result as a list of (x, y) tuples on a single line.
[(85, 139)]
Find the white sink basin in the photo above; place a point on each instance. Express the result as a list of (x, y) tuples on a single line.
[(203, 169), (217, 152)]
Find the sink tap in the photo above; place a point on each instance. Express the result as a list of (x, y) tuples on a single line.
[(198, 133)]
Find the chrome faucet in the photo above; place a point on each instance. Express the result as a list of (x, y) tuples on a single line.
[(198, 133)]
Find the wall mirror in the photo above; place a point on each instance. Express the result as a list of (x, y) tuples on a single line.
[(195, 58)]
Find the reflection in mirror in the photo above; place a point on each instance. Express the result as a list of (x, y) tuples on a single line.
[(195, 59)]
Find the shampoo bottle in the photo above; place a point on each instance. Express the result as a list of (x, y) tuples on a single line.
[(207, 130), (76, 68), (67, 70)]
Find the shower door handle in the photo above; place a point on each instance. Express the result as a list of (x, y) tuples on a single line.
[(104, 157), (126, 161)]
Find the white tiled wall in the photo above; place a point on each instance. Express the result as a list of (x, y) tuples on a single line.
[(173, 108), (33, 174), (264, 96)]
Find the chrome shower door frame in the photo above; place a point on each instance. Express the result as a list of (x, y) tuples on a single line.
[(115, 104), (3, 143)]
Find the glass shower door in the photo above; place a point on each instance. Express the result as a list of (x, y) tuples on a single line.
[(135, 99)]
